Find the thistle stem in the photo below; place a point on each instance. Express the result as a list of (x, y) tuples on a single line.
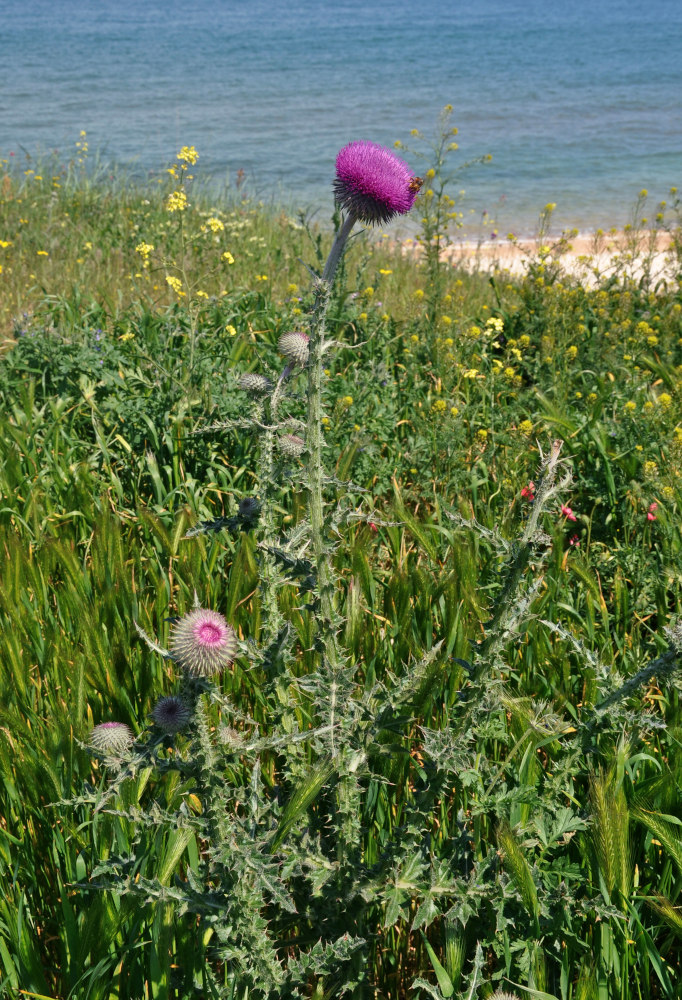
[(314, 442)]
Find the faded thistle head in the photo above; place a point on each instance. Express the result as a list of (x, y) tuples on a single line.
[(171, 714), (111, 738), (294, 347), (203, 643), (373, 183)]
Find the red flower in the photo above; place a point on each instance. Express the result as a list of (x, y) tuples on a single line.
[(651, 516), (574, 541), (567, 512), (528, 492)]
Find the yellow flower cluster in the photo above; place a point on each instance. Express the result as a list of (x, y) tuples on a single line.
[(177, 201), (175, 284), (188, 154), (227, 257), (440, 406), (215, 225), (144, 249), (526, 427)]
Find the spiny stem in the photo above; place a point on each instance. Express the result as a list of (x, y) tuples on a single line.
[(314, 442)]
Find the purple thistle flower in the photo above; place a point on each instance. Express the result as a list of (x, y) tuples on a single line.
[(171, 714), (373, 183), (294, 347), (111, 738), (203, 643)]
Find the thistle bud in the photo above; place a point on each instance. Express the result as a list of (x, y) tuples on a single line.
[(111, 738), (255, 385), (171, 714), (294, 347), (291, 445)]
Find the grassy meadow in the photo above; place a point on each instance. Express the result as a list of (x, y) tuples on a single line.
[(540, 851)]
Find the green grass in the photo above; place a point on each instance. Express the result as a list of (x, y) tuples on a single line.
[(111, 383)]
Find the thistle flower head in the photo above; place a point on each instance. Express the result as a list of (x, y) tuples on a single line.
[(249, 509), (111, 738), (291, 445), (294, 347), (171, 714), (502, 995), (254, 384), (373, 183), (203, 643)]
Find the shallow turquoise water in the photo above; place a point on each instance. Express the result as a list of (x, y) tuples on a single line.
[(579, 104)]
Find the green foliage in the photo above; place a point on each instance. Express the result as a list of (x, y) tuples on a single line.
[(451, 764)]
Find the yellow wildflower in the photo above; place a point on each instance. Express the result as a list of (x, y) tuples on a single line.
[(440, 406), (215, 225), (177, 201), (231, 330), (384, 270), (227, 257), (665, 399), (571, 352), (175, 284), (419, 293), (188, 154), (526, 427)]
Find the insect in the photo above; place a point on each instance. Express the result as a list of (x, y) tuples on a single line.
[(415, 184)]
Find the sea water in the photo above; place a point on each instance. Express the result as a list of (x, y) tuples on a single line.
[(578, 103)]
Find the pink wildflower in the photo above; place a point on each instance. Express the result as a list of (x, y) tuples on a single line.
[(650, 515), (373, 183), (528, 492), (567, 513), (203, 643), (574, 541)]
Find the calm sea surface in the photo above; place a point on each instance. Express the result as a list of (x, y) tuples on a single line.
[(579, 103)]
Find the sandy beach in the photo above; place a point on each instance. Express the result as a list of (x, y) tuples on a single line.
[(587, 256)]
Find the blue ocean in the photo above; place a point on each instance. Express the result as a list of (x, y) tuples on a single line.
[(578, 103)]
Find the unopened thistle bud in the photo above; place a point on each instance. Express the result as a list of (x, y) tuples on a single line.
[(111, 738), (249, 509), (291, 445), (171, 714), (203, 643), (255, 385), (294, 347)]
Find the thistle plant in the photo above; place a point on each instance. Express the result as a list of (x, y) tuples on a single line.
[(254, 827)]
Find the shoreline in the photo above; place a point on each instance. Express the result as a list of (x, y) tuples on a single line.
[(587, 256)]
